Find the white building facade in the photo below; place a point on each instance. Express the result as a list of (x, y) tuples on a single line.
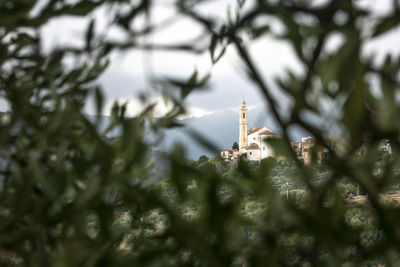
[(258, 145)]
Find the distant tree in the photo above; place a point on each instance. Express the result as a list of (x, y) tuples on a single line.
[(202, 159), (235, 146)]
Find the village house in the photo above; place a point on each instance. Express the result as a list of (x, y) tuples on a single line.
[(304, 148), (229, 154)]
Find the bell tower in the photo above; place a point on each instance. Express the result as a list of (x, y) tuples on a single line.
[(242, 125)]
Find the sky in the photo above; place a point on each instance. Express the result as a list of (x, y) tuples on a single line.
[(128, 74)]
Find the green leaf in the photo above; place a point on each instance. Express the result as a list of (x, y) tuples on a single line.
[(213, 44), (186, 87), (99, 100), (90, 34)]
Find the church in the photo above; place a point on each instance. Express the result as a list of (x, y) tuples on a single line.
[(253, 143)]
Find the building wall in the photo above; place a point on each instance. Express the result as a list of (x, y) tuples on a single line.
[(252, 138), (226, 154), (230, 154), (266, 148), (303, 150), (236, 153), (307, 143), (260, 140), (253, 154)]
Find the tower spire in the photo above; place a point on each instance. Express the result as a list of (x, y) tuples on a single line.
[(242, 125)]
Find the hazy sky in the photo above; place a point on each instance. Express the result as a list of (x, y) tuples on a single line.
[(126, 76)]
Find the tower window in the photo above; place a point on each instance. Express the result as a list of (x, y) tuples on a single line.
[(243, 116)]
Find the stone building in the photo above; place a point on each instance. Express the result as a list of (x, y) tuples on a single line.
[(229, 154), (304, 149), (307, 143)]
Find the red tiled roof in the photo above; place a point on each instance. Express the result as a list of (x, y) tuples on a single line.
[(252, 146), (231, 150), (255, 130), (266, 132)]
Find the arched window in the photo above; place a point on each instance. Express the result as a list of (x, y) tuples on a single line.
[(243, 116)]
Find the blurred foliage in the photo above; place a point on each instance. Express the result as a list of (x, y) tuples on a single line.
[(72, 196)]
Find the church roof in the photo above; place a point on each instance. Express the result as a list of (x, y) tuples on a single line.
[(266, 132), (252, 146), (255, 130)]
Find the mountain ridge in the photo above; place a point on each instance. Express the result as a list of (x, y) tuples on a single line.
[(220, 128)]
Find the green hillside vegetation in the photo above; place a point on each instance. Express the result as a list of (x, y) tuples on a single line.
[(286, 194)]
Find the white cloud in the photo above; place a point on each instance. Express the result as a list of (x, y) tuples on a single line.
[(134, 106), (195, 112)]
